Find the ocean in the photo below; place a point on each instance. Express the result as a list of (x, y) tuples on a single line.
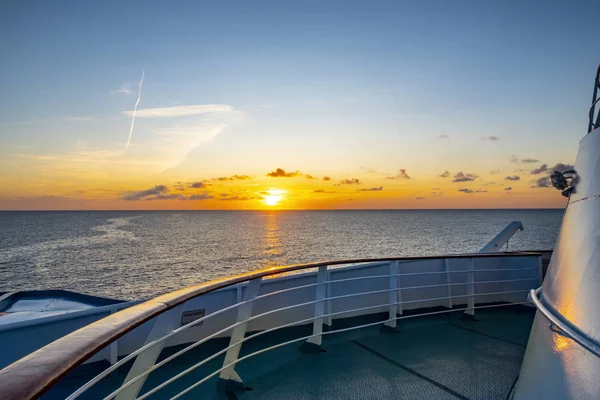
[(134, 255)]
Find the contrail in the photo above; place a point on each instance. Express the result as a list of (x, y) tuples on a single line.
[(135, 107)]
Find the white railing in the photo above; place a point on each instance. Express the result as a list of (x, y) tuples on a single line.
[(502, 238), (164, 327)]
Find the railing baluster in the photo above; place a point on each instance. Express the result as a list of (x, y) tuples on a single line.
[(399, 285), (228, 378), (447, 267), (393, 297), (164, 324), (328, 319), (470, 287), (321, 290)]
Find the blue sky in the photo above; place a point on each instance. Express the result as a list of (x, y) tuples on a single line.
[(320, 86)]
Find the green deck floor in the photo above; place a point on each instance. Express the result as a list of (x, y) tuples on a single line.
[(433, 357)]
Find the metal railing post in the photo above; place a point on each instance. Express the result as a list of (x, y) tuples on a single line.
[(393, 295), (228, 378), (328, 319), (470, 287), (164, 324), (321, 290), (447, 267), (540, 269)]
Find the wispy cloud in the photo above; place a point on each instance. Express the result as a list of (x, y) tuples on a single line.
[(495, 171), (137, 102), (229, 197), (461, 177), (443, 136), (469, 191), (529, 160), (179, 111), (543, 182), (444, 174), (326, 178), (235, 177), (280, 173), (162, 192), (540, 169), (508, 188), (143, 194), (373, 189), (197, 185), (514, 159), (202, 196), (512, 178), (401, 174), (352, 181), (419, 198), (124, 89)]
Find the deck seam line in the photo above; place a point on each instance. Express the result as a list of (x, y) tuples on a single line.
[(487, 335), (410, 370)]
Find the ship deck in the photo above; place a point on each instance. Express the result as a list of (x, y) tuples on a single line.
[(429, 357)]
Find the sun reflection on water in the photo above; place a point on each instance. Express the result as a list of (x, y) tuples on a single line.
[(273, 248)]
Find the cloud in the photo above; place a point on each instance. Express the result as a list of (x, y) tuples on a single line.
[(514, 159), (508, 188), (541, 182), (419, 198), (495, 171), (400, 175), (318, 191), (309, 176), (435, 188), (280, 173), (203, 196), (155, 191), (232, 178), (373, 189), (469, 191), (237, 198), (460, 177), (179, 111), (326, 178), (488, 183), (491, 138), (124, 89), (352, 181), (529, 160), (197, 185), (540, 169), (512, 178), (368, 169), (445, 174), (170, 196), (562, 167), (443, 136), (161, 192)]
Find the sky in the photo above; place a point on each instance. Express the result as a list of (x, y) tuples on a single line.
[(291, 105)]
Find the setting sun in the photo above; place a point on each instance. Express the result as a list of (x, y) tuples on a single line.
[(273, 197)]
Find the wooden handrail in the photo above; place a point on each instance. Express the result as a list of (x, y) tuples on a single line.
[(33, 375)]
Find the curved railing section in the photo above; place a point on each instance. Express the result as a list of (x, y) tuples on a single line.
[(454, 280), (565, 329)]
